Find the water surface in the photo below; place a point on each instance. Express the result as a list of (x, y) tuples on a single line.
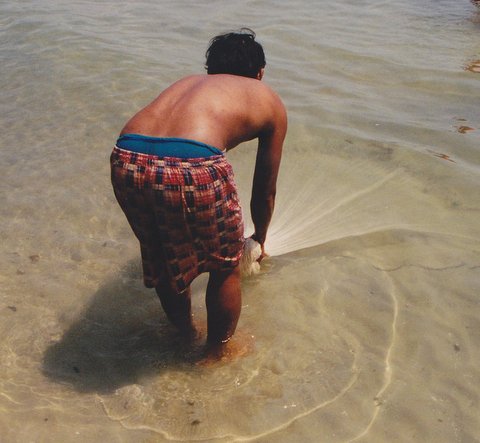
[(365, 319)]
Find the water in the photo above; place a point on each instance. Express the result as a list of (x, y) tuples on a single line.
[(366, 318)]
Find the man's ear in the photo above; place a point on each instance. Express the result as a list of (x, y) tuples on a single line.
[(260, 74)]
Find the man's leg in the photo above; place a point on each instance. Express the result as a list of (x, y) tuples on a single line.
[(177, 307), (224, 303)]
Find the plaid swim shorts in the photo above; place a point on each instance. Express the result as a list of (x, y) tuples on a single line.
[(184, 212)]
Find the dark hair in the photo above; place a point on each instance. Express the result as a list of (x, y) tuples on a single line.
[(235, 53)]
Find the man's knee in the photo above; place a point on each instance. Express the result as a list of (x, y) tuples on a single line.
[(229, 276)]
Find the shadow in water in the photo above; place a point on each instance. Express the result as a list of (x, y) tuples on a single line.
[(122, 336)]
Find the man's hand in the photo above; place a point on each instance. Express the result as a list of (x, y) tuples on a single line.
[(263, 254)]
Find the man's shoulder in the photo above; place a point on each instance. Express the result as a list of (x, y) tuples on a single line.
[(230, 81), (243, 95), (236, 81)]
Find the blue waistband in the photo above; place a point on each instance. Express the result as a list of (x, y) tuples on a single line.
[(166, 146)]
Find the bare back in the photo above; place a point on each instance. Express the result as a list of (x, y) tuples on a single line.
[(220, 110)]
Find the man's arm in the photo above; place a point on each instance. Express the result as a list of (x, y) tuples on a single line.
[(267, 164)]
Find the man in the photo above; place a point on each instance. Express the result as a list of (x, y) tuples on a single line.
[(172, 180)]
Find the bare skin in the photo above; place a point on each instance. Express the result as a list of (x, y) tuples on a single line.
[(220, 110)]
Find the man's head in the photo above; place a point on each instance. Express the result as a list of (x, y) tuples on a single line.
[(236, 53)]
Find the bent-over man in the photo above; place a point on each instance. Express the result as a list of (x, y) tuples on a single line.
[(176, 188)]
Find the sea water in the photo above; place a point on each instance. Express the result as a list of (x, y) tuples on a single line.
[(365, 321)]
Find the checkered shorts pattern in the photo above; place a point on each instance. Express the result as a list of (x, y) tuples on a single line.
[(185, 213)]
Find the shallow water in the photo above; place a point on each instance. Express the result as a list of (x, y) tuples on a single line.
[(365, 319)]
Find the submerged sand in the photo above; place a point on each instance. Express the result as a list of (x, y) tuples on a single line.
[(364, 321)]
